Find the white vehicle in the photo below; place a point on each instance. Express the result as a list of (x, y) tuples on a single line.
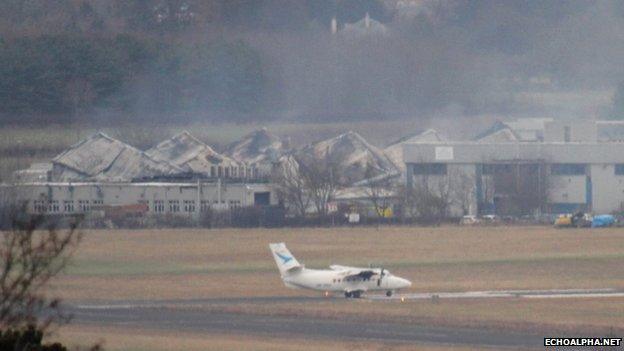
[(351, 281)]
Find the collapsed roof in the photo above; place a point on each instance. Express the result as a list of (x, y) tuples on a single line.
[(395, 150), (259, 146), (523, 129), (354, 158), (103, 158), (189, 153)]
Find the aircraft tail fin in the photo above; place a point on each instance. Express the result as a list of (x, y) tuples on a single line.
[(285, 261)]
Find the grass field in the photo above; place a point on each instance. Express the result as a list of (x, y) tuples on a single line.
[(189, 264)]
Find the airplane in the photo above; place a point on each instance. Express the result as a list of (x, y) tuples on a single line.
[(351, 281)]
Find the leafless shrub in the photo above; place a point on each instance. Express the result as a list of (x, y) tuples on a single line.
[(291, 186), (33, 252), (319, 176)]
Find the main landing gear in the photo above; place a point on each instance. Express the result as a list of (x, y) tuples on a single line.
[(389, 293), (353, 294)]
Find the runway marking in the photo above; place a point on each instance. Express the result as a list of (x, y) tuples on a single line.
[(531, 294), (528, 294)]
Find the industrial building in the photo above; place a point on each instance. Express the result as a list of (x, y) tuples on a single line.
[(171, 199), (180, 177), (564, 167)]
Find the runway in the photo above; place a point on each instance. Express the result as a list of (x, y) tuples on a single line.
[(196, 320), (488, 294), (205, 315)]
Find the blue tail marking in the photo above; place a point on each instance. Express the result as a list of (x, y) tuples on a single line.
[(284, 257)]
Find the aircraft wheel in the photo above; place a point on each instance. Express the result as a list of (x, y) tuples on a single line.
[(347, 294), (356, 294), (388, 293)]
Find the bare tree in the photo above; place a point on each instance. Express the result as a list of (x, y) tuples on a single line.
[(462, 191), (33, 253), (518, 189), (291, 186), (319, 176), (429, 200), (379, 190)]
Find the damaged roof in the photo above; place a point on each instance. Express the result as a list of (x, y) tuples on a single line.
[(356, 158), (394, 151), (522, 129), (103, 158), (189, 153), (256, 147)]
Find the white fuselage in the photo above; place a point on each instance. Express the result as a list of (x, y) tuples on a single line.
[(340, 280)]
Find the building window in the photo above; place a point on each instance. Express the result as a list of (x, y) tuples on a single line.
[(53, 206), (189, 206), (567, 134), (39, 206), (429, 168), (83, 206), (204, 205), (567, 169), (159, 206), (68, 206), (490, 169), (234, 203), (227, 172), (98, 203), (213, 171), (619, 169), (234, 169), (174, 206)]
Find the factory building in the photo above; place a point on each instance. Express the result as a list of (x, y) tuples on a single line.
[(567, 169), (172, 199)]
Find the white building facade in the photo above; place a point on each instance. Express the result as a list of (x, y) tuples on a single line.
[(572, 176), (177, 199)]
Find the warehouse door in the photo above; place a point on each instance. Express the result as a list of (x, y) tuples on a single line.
[(262, 199)]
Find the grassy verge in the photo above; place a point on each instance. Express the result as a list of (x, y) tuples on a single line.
[(204, 264)]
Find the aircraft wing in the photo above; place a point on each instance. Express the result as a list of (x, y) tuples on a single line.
[(353, 272)]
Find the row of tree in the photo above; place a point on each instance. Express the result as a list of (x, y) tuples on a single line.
[(513, 190), (70, 75)]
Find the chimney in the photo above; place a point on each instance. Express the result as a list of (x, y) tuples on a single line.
[(334, 25)]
